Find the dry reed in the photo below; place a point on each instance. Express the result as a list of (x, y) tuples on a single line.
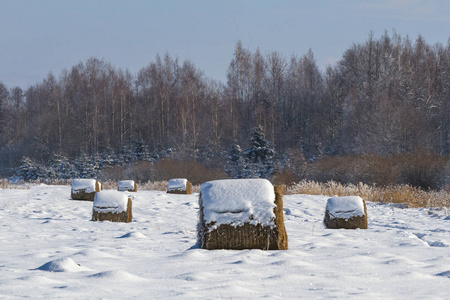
[(406, 195), (6, 184)]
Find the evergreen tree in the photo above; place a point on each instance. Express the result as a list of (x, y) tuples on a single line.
[(259, 156), (61, 168), (45, 173), (141, 151), (107, 158), (29, 170), (126, 155), (96, 162), (84, 166), (235, 162)]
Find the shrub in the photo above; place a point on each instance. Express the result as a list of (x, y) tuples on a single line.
[(194, 171), (286, 176), (418, 169), (422, 169), (163, 170), (140, 172), (370, 169)]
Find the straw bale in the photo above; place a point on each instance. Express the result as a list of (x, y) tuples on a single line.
[(281, 234), (246, 236), (125, 216), (83, 194), (181, 190), (353, 222), (124, 189)]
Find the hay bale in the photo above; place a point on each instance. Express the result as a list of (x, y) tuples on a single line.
[(84, 189), (127, 186), (346, 212), (112, 206), (241, 214), (179, 186)]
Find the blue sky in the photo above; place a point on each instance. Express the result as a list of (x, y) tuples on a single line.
[(38, 37)]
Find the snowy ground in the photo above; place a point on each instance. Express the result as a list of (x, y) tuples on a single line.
[(50, 249)]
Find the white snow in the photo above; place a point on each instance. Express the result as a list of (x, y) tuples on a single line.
[(62, 265), (236, 201), (125, 185), (83, 184), (110, 201), (404, 254), (345, 207), (177, 184)]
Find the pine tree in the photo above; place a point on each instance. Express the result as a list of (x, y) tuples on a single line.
[(84, 166), (235, 162), (61, 168), (126, 155), (259, 156), (107, 158), (96, 162), (45, 173), (29, 170), (140, 150)]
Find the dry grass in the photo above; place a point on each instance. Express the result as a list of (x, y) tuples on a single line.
[(6, 184), (406, 195), (163, 185), (22, 185), (147, 186)]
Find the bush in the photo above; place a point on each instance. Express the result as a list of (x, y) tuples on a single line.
[(286, 176), (162, 170), (418, 169), (422, 169), (194, 171), (139, 172), (369, 169)]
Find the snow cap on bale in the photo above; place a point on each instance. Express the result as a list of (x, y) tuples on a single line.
[(348, 212), (241, 214), (127, 186), (179, 186), (235, 202), (112, 206), (84, 189)]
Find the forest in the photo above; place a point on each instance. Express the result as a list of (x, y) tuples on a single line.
[(385, 103)]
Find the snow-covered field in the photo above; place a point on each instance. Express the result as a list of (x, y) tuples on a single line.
[(50, 249)]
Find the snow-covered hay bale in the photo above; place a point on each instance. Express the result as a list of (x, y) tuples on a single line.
[(112, 206), (127, 186), (241, 214), (179, 186), (84, 189), (346, 212)]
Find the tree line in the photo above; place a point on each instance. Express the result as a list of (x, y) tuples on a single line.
[(385, 96)]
